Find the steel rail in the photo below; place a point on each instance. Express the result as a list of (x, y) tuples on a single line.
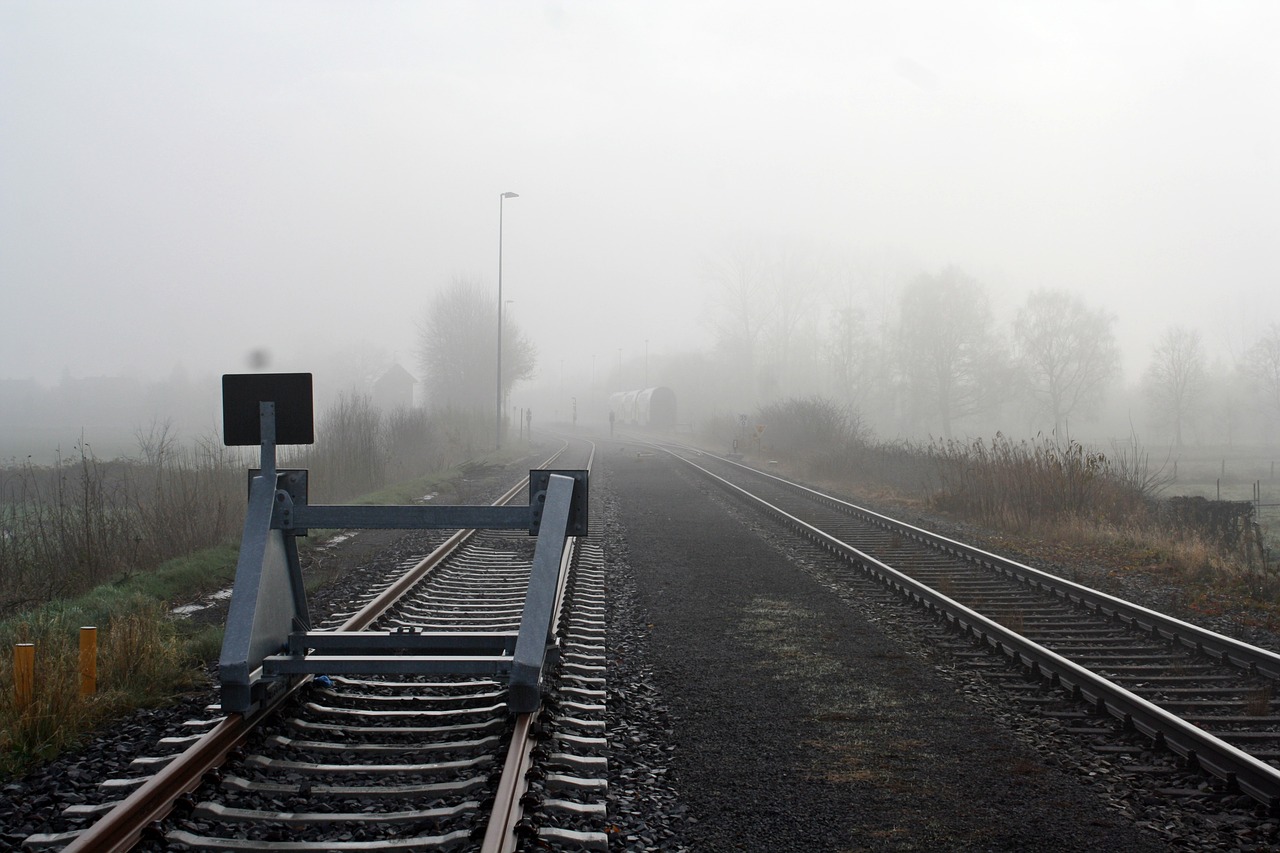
[(1201, 749), (121, 828), (1159, 625), (500, 833)]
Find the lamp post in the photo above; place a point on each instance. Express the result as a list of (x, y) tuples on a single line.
[(498, 432)]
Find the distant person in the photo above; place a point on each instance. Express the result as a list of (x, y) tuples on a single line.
[(611, 423)]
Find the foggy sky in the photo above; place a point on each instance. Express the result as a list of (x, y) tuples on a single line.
[(181, 183)]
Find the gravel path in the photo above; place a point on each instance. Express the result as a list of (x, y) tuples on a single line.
[(794, 722)]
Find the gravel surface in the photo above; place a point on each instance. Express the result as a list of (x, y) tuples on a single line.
[(34, 803), (798, 714)]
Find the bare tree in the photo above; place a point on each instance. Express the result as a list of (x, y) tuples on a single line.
[(1068, 354), (1226, 401), (739, 302), (1175, 379), (764, 302), (860, 334), (793, 283), (846, 353), (952, 365), (457, 348), (1262, 366)]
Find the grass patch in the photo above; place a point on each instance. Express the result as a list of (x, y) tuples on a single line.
[(442, 488), (179, 580), (142, 660), (145, 657)]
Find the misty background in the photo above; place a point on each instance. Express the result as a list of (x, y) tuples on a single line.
[(731, 198)]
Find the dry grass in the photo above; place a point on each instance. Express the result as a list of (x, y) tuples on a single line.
[(82, 521), (1182, 556), (140, 660), (1014, 484), (1070, 505)]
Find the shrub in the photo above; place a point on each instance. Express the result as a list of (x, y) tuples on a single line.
[(813, 434)]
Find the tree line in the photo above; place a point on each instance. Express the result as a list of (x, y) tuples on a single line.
[(924, 354)]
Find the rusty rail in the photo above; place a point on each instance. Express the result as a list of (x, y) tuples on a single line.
[(121, 828)]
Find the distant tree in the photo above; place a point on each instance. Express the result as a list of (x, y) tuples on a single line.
[(457, 349), (860, 332), (1226, 401), (1175, 379), (1262, 366), (793, 284), (1068, 354), (846, 352), (763, 301), (739, 304), (952, 365)]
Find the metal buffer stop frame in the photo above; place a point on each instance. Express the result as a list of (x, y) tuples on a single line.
[(269, 641)]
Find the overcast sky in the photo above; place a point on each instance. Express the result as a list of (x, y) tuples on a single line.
[(185, 182)]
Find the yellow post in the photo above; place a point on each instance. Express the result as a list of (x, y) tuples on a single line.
[(24, 673), (88, 661)]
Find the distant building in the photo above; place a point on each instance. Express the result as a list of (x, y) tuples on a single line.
[(393, 389)]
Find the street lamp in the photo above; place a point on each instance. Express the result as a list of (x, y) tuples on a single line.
[(498, 432)]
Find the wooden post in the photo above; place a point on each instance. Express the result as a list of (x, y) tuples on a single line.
[(88, 661), (24, 673)]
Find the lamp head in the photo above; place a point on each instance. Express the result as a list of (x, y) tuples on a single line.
[(511, 195)]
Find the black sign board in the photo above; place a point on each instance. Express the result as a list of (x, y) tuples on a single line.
[(291, 392)]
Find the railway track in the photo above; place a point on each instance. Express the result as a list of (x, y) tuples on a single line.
[(386, 762), (356, 762), (1086, 656)]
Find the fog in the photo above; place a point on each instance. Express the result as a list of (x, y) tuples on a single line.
[(184, 184)]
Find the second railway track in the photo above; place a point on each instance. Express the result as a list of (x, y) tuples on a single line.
[(1208, 698)]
